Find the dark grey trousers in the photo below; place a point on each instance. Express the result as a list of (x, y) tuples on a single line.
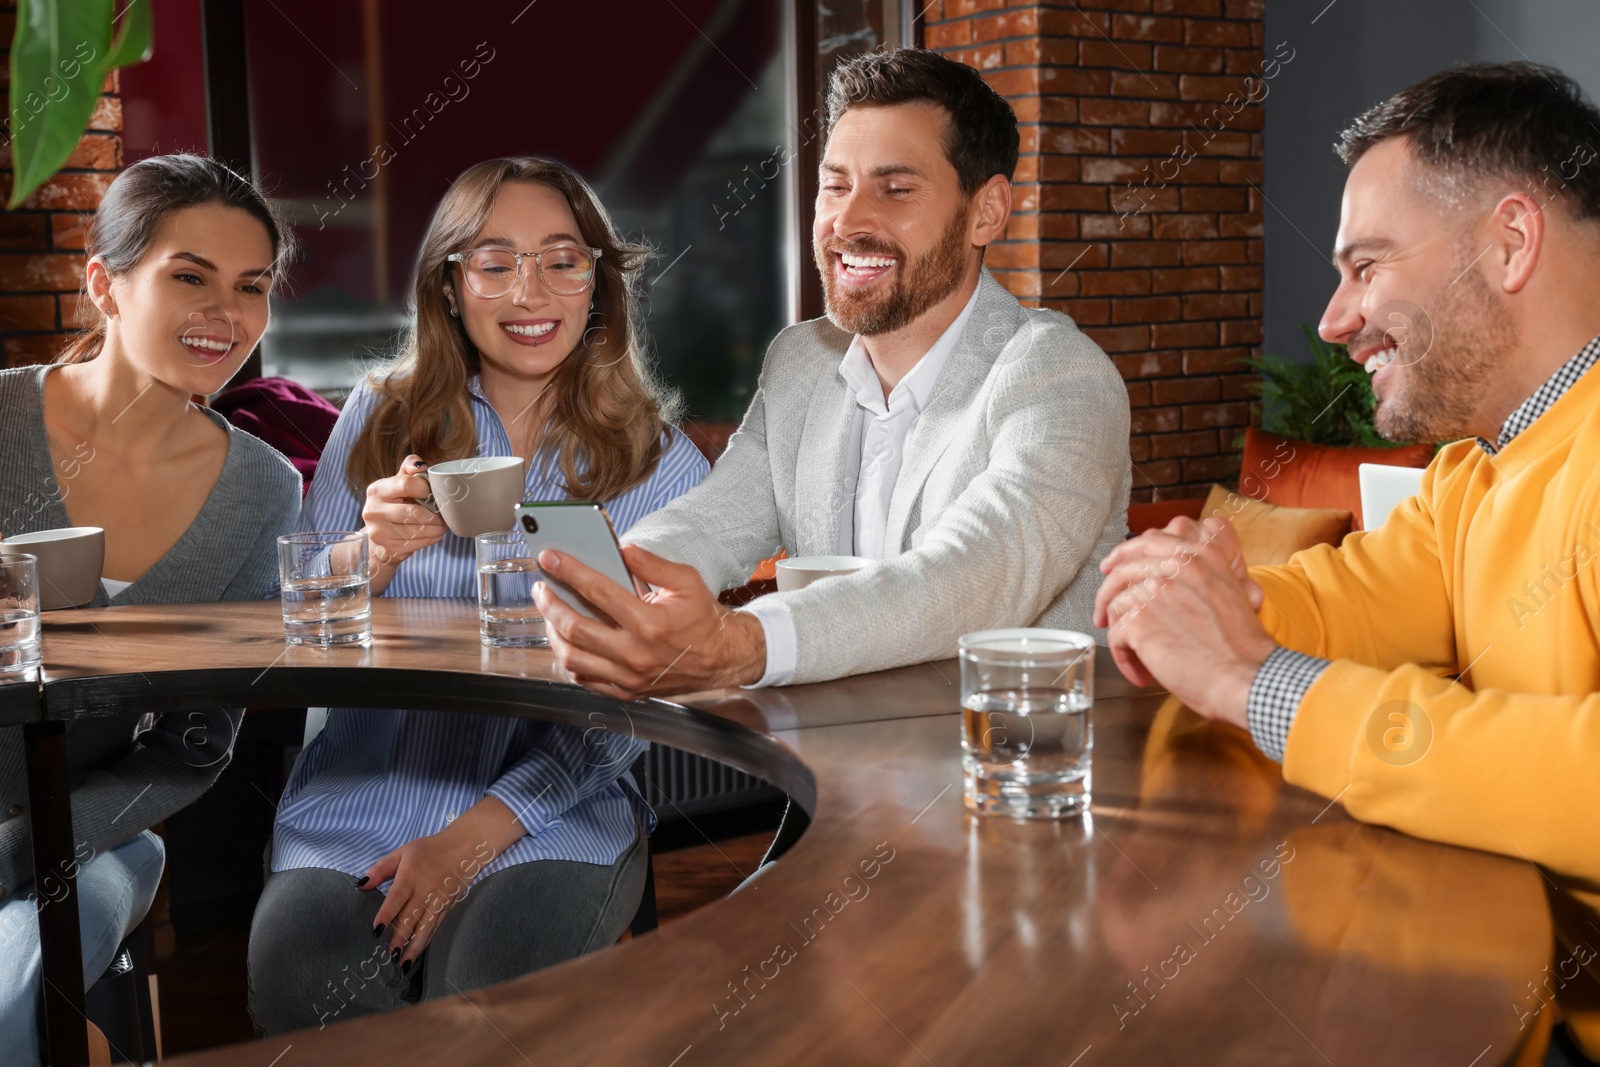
[(313, 959)]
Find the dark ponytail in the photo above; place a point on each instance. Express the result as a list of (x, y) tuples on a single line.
[(141, 198)]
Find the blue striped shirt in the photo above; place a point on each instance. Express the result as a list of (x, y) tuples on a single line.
[(377, 778)]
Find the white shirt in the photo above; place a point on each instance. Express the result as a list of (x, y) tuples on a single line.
[(879, 432)]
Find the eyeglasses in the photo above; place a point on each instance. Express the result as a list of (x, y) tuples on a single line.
[(491, 272)]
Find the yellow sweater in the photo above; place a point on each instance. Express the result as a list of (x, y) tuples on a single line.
[(1493, 569)]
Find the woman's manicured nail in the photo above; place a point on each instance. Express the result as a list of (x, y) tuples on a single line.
[(361, 881), (405, 968), (377, 931), (555, 561), (394, 955)]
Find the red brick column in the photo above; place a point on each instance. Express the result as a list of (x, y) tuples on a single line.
[(41, 257), (1135, 212)]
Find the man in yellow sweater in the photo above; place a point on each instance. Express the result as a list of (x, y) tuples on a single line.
[(1441, 674)]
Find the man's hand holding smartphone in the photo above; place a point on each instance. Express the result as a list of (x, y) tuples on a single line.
[(675, 639)]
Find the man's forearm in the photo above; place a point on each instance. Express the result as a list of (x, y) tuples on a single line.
[(746, 649), (780, 650)]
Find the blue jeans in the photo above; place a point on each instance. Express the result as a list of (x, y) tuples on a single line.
[(115, 889)]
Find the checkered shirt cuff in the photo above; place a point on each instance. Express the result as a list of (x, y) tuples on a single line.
[(1275, 695)]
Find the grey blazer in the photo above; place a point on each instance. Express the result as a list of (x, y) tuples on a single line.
[(1014, 486), (122, 783)]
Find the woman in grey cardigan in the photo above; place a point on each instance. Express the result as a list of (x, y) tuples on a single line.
[(182, 254)]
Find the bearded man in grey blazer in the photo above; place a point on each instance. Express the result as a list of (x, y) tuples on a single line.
[(974, 449)]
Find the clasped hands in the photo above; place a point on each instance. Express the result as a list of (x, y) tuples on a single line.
[(1181, 611)]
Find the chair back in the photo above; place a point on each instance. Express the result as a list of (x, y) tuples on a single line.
[(1383, 488)]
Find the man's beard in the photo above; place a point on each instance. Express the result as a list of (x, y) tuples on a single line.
[(1437, 393), (916, 289)]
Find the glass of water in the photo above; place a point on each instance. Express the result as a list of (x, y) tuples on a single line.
[(507, 615), (326, 601), (1025, 732), (19, 614)]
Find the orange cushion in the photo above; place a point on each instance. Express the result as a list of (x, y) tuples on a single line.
[(1297, 474), (767, 569), (764, 580), (1270, 534)]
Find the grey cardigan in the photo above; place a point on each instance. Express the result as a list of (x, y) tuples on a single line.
[(122, 783)]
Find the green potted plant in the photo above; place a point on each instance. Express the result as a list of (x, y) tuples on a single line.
[(1328, 401), (60, 56)]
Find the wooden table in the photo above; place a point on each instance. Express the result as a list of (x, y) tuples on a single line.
[(1204, 912)]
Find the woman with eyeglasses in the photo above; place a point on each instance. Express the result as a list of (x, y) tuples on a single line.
[(526, 342)]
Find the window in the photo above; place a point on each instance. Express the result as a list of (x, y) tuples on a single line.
[(686, 117), (361, 113)]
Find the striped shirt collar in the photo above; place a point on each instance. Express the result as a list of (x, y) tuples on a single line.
[(1545, 396)]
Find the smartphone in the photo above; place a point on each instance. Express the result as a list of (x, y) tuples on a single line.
[(580, 529)]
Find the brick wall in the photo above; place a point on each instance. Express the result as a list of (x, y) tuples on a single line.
[(41, 258), (1135, 212), (1134, 209)]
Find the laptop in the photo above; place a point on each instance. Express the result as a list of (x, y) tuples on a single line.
[(1382, 488)]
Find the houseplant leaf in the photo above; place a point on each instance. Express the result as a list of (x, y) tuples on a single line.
[(134, 40), (1327, 401), (58, 60)]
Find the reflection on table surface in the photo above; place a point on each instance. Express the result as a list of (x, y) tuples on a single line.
[(1204, 912)]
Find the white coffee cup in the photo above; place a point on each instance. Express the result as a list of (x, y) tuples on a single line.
[(800, 571), (476, 495), (70, 560)]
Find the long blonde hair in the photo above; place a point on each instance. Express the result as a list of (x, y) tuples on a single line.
[(608, 413)]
